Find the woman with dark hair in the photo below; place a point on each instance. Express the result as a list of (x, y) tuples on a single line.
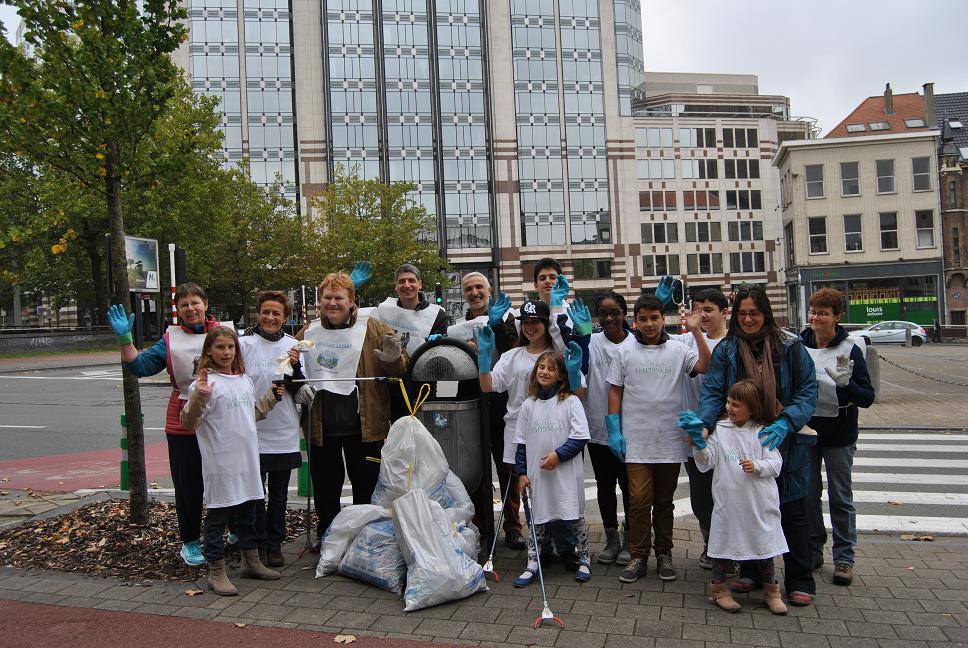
[(755, 348)]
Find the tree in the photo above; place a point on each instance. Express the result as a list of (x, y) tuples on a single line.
[(97, 78), (371, 220)]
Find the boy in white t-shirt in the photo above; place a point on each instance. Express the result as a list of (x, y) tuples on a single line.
[(646, 379)]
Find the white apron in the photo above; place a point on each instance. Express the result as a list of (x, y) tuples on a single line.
[(183, 349), (411, 325), (337, 355), (544, 425), (279, 431), (828, 405), (464, 330), (228, 442)]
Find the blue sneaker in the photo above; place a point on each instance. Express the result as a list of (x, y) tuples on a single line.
[(191, 553), (231, 539)]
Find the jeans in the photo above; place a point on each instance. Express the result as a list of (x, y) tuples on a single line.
[(185, 462), (701, 496), (838, 463), (651, 488), (609, 471), (242, 517), (270, 520)]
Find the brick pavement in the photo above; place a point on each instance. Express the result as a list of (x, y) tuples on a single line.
[(904, 594)]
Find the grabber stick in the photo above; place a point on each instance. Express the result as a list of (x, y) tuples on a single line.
[(489, 565), (308, 547), (546, 614)]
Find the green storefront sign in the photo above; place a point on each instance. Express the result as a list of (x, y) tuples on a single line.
[(921, 310)]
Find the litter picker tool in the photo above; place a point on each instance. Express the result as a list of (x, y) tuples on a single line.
[(546, 614), (489, 565), (377, 379)]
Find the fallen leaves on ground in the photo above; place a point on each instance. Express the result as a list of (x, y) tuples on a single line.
[(917, 537), (99, 538), (241, 625), (193, 592), (345, 639)]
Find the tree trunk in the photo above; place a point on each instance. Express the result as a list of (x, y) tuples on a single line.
[(137, 480), (93, 249)]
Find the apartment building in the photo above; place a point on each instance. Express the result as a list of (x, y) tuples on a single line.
[(952, 117)]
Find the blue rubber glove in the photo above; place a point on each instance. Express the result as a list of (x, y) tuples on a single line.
[(361, 274), (616, 442), (559, 291), (485, 349), (573, 365), (496, 310), (580, 317), (121, 324), (773, 434), (663, 291), (433, 337), (693, 426)]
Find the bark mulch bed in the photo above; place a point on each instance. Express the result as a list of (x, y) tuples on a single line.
[(99, 539)]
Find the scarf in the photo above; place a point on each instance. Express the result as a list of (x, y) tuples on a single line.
[(550, 392), (272, 337), (761, 371)]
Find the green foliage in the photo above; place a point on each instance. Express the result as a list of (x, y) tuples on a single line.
[(357, 219)]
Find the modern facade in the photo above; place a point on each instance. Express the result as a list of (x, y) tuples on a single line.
[(708, 196), (952, 118), (860, 213)]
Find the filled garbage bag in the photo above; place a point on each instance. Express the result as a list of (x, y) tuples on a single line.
[(438, 569), (342, 532), (410, 459), (375, 557)]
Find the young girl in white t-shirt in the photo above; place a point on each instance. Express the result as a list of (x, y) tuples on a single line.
[(549, 437), (222, 409), (746, 513)]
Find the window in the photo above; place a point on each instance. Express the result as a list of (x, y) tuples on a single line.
[(817, 228), (879, 126), (888, 230), (814, 173), (853, 237), (856, 128), (657, 201), (658, 265), (740, 138), (704, 232), (653, 137), (955, 247), (700, 200), (743, 199), (697, 137), (746, 262), (745, 230), (921, 167), (660, 233), (704, 264), (952, 195), (954, 123), (788, 241), (885, 176), (742, 169), (849, 179), (593, 268), (924, 224), (914, 123), (657, 169), (699, 169)]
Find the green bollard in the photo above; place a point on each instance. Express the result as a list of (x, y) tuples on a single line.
[(123, 482), (304, 487)]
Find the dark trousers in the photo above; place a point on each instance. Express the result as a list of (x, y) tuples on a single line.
[(651, 488), (242, 517), (270, 519), (328, 473), (798, 561), (185, 463), (701, 496), (609, 471)]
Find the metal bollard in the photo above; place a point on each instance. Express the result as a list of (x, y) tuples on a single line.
[(907, 336), (304, 486)]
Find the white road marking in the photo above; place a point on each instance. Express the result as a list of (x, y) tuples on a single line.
[(904, 497), (913, 523), (901, 462), (907, 447), (24, 427), (119, 379), (875, 436), (908, 478)]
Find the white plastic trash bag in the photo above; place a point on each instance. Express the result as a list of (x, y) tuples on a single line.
[(438, 570), (410, 459), (469, 539), (375, 557), (342, 532)]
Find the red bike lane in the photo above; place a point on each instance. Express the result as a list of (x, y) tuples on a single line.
[(74, 471)]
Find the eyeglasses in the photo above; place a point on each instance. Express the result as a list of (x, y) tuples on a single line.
[(613, 313), (816, 314), (749, 314)]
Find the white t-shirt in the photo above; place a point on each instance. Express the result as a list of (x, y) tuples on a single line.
[(279, 431), (653, 377), (691, 389), (543, 426), (511, 374), (601, 352), (746, 512), (228, 442)]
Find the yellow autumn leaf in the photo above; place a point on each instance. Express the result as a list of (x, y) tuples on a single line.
[(101, 171), (58, 248), (99, 156), (77, 24)]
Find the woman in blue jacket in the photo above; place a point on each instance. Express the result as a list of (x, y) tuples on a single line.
[(756, 348)]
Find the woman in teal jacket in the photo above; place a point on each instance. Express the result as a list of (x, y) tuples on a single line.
[(789, 377)]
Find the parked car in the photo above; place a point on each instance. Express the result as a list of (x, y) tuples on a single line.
[(892, 332)]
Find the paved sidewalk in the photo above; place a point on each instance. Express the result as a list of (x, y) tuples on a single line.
[(904, 594)]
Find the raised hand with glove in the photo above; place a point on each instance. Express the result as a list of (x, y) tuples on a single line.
[(663, 292), (559, 291), (573, 357), (485, 349), (773, 434), (580, 317), (390, 353), (361, 274), (616, 441), (121, 324), (692, 425), (496, 310), (842, 373)]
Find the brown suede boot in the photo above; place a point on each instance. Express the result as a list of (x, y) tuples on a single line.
[(218, 580), (771, 596), (721, 596), (252, 567)]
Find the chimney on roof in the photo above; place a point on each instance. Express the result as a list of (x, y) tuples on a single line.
[(930, 116), (888, 100)]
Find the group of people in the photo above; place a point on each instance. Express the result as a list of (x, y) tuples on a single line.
[(752, 411)]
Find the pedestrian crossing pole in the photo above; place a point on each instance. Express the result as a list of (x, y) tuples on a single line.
[(123, 482), (303, 484)]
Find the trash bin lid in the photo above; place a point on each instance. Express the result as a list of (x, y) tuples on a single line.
[(444, 362)]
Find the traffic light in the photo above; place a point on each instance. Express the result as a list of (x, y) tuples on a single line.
[(438, 294)]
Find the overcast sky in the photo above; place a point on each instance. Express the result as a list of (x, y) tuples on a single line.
[(826, 55)]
